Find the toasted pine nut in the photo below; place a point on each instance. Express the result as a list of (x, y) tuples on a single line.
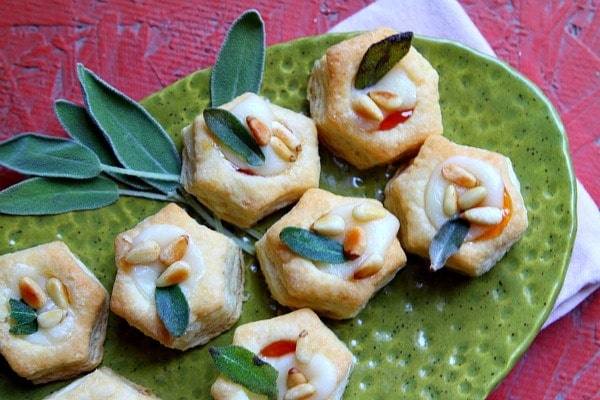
[(329, 225), (387, 100), (472, 197), (456, 174), (355, 242), (175, 250), (143, 253), (58, 293), (450, 202), (175, 273), (32, 293), (365, 212), (260, 131), (49, 319), (483, 215), (287, 137), (304, 350), (295, 378), (366, 107), (282, 151), (299, 392), (369, 267)]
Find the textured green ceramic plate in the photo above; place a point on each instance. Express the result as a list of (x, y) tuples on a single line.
[(423, 336)]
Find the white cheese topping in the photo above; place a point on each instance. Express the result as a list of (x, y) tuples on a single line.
[(487, 175), (395, 81), (379, 232), (145, 275)]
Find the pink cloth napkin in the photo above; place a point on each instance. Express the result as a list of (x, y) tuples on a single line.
[(447, 19)]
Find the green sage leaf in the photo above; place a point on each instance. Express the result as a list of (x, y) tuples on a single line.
[(24, 318), (233, 134), (45, 196), (313, 246), (78, 124), (240, 64), (138, 141), (447, 241), (35, 154), (246, 368), (381, 57), (173, 309)]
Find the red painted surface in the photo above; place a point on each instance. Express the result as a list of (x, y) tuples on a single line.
[(142, 46)]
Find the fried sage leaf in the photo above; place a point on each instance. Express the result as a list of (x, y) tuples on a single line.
[(233, 134), (78, 124), (24, 318), (173, 309), (246, 368), (447, 241), (40, 155), (138, 141), (380, 58), (241, 61), (313, 246), (46, 196)]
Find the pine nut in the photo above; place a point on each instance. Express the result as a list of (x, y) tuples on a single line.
[(472, 197), (355, 242), (304, 350), (32, 293), (175, 250), (295, 378), (456, 174), (329, 225), (366, 107), (51, 318), (282, 151), (58, 293), (260, 131), (300, 392), (287, 137), (483, 215), (387, 100), (450, 203), (369, 267), (143, 253), (175, 273), (365, 212)]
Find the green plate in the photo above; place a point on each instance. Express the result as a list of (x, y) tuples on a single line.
[(424, 335)]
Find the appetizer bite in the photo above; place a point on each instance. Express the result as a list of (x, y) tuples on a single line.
[(310, 361), (177, 281), (276, 163), (448, 185), (371, 111), (53, 313), (330, 253), (102, 384)]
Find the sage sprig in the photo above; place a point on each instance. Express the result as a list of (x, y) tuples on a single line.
[(245, 368), (240, 64), (381, 57), (313, 246), (233, 134), (24, 318), (447, 241), (173, 309)]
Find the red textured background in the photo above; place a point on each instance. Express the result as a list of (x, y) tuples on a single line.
[(141, 46)]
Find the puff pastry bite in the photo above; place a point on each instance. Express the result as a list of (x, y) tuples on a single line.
[(237, 191), (447, 180), (68, 308), (313, 363), (102, 384), (337, 290), (383, 122), (171, 249)]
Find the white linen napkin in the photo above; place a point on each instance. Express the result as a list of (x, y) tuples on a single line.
[(447, 19)]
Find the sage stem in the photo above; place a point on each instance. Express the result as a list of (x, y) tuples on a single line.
[(141, 174)]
